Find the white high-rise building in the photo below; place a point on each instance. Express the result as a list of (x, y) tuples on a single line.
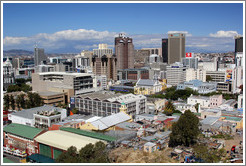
[(176, 73), (195, 74)]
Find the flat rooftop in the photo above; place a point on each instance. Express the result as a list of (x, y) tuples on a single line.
[(101, 95), (49, 93), (66, 73)]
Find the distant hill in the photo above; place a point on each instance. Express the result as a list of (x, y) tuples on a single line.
[(15, 52)]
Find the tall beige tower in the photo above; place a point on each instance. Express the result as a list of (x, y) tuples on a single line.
[(176, 47), (124, 51)]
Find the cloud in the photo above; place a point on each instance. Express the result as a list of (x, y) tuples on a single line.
[(58, 40), (75, 41), (187, 34), (224, 34)]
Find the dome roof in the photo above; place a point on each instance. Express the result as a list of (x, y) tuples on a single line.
[(7, 62)]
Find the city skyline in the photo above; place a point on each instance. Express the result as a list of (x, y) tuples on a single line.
[(209, 27)]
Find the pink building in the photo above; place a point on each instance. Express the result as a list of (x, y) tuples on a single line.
[(216, 100)]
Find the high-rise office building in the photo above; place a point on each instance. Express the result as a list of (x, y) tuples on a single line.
[(39, 56), (124, 51), (176, 47), (238, 44), (105, 65), (165, 50), (102, 50)]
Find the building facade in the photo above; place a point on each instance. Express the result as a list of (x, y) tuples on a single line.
[(124, 51), (102, 50), (165, 50), (105, 103), (8, 74), (175, 74), (105, 65), (39, 56), (133, 74), (176, 47)]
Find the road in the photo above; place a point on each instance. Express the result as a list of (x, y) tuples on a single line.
[(13, 158)]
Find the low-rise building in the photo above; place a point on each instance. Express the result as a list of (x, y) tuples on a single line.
[(133, 74), (216, 112), (105, 103), (150, 147), (202, 100), (147, 87), (21, 137), (216, 100), (26, 116), (53, 143), (198, 85), (52, 98)]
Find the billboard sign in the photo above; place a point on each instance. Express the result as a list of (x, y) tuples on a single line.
[(189, 55), (228, 75), (72, 100)]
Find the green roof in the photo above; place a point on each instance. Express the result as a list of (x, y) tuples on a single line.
[(39, 158), (199, 114), (89, 134), (176, 114), (232, 118), (22, 130), (5, 160)]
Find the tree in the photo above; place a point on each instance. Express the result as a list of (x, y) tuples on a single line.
[(208, 155), (88, 154), (13, 88), (12, 102), (34, 100), (20, 101), (185, 131), (169, 108), (208, 78), (74, 110), (197, 107), (6, 101), (70, 156)]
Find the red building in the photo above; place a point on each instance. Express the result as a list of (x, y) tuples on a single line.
[(21, 137)]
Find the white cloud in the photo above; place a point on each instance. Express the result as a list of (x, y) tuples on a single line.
[(185, 32), (224, 34), (82, 39)]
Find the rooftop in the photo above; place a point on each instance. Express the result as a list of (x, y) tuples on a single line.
[(101, 95), (146, 82), (49, 93), (28, 113), (66, 74), (63, 139), (199, 97), (89, 134), (210, 120), (111, 120), (22, 130)]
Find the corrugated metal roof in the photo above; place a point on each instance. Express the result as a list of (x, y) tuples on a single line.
[(22, 130), (111, 120), (149, 144), (63, 139), (89, 134), (146, 82), (210, 120)]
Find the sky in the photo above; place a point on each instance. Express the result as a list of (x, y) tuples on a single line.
[(70, 27)]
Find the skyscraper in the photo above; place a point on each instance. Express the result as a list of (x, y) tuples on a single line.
[(238, 44), (39, 56), (165, 50), (124, 51), (176, 47)]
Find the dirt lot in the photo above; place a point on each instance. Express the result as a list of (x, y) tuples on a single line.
[(128, 155), (235, 141)]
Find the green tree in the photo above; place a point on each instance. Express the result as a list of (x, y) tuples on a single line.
[(34, 100), (169, 108), (208, 155), (6, 100), (70, 156), (12, 102), (197, 107), (13, 88), (208, 78), (185, 131), (20, 81), (89, 154), (74, 110), (20, 101)]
